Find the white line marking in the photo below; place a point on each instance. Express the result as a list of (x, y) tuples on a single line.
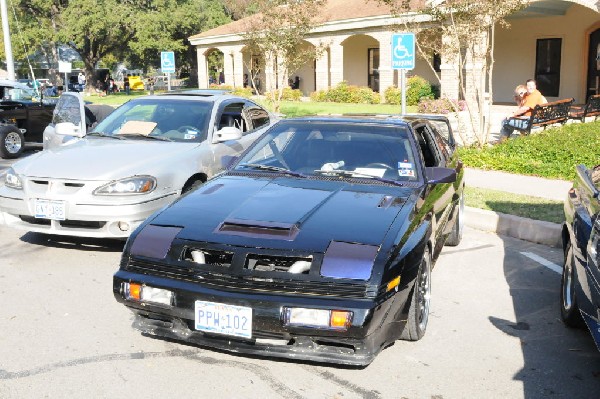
[(544, 262)]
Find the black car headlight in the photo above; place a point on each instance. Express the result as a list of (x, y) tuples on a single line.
[(12, 180), (130, 185)]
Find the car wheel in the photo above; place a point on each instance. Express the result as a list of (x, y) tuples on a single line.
[(569, 310), (12, 142), (418, 315), (457, 230)]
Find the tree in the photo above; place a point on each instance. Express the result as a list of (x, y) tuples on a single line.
[(277, 32), (113, 30), (463, 31)]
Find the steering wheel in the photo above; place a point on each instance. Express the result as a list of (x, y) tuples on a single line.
[(380, 165)]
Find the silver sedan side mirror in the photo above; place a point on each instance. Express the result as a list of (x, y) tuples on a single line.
[(228, 133), (68, 129)]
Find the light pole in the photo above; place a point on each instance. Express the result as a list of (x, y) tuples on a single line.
[(10, 64)]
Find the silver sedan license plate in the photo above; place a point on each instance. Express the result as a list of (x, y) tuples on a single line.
[(48, 209), (220, 318)]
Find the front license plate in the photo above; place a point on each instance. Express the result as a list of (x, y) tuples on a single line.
[(47, 209), (220, 318)]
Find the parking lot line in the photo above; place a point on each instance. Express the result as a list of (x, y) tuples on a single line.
[(544, 262)]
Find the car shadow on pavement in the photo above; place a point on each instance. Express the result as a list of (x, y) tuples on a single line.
[(558, 361), (75, 243)]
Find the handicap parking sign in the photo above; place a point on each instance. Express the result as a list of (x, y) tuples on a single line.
[(403, 51), (167, 62)]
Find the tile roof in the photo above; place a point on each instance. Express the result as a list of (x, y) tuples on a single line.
[(333, 10)]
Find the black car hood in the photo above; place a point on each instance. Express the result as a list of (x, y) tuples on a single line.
[(283, 212)]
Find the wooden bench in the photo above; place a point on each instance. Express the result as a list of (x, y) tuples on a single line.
[(591, 108), (546, 114)]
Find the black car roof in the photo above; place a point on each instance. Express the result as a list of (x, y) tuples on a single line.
[(355, 118)]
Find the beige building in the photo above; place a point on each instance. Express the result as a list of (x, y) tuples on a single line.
[(556, 42)]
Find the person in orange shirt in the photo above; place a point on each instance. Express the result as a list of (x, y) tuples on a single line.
[(520, 117)]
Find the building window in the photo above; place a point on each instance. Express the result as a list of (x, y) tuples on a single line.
[(547, 66), (437, 61), (373, 69)]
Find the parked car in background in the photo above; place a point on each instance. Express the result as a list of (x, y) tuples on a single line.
[(137, 160), (580, 283), (317, 244), (25, 114)]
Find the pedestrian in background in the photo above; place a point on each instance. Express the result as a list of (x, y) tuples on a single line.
[(520, 117), (81, 81), (126, 84)]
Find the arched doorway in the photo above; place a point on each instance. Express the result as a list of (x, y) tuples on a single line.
[(361, 61), (215, 66)]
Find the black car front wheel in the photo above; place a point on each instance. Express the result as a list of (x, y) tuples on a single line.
[(12, 142), (418, 315), (569, 310)]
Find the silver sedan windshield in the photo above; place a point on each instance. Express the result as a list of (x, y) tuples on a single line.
[(166, 119)]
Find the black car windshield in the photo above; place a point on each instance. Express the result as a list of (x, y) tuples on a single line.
[(162, 118), (316, 148)]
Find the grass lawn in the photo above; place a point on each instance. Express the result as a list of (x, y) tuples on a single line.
[(514, 204)]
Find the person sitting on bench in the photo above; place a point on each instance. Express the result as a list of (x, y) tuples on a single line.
[(520, 117)]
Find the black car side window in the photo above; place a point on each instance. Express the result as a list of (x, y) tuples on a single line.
[(431, 157)]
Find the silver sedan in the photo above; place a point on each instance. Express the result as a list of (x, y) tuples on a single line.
[(148, 152)]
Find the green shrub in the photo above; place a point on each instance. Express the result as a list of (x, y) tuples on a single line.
[(344, 93), (417, 89), (552, 153), (289, 94)]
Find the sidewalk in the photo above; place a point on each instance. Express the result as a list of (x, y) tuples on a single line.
[(514, 226)]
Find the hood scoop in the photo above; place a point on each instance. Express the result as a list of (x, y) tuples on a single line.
[(258, 229)]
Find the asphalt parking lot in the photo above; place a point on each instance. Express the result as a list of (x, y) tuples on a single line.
[(494, 332)]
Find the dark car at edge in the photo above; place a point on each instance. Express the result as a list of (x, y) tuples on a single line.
[(317, 244), (580, 283)]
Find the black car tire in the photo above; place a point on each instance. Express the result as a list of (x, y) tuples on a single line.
[(418, 314), (456, 234), (12, 142), (569, 309)]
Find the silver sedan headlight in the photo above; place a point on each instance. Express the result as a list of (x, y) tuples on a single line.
[(12, 180), (130, 185)]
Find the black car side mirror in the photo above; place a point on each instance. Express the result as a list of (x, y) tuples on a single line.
[(435, 175)]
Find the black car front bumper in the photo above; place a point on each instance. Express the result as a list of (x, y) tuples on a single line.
[(374, 325)]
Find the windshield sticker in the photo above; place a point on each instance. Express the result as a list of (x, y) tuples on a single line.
[(406, 169), (137, 127), (189, 136)]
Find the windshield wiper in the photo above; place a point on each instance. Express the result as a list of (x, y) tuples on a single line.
[(146, 136), (272, 169), (351, 173), (99, 134)]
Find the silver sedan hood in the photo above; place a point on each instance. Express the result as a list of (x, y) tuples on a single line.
[(102, 159)]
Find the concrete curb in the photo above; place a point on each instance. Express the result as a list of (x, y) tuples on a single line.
[(537, 231)]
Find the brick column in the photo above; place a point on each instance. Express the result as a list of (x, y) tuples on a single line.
[(386, 73), (228, 66), (270, 83), (336, 67), (238, 67), (202, 68)]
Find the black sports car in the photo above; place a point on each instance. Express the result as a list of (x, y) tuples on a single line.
[(316, 244), (580, 283)]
